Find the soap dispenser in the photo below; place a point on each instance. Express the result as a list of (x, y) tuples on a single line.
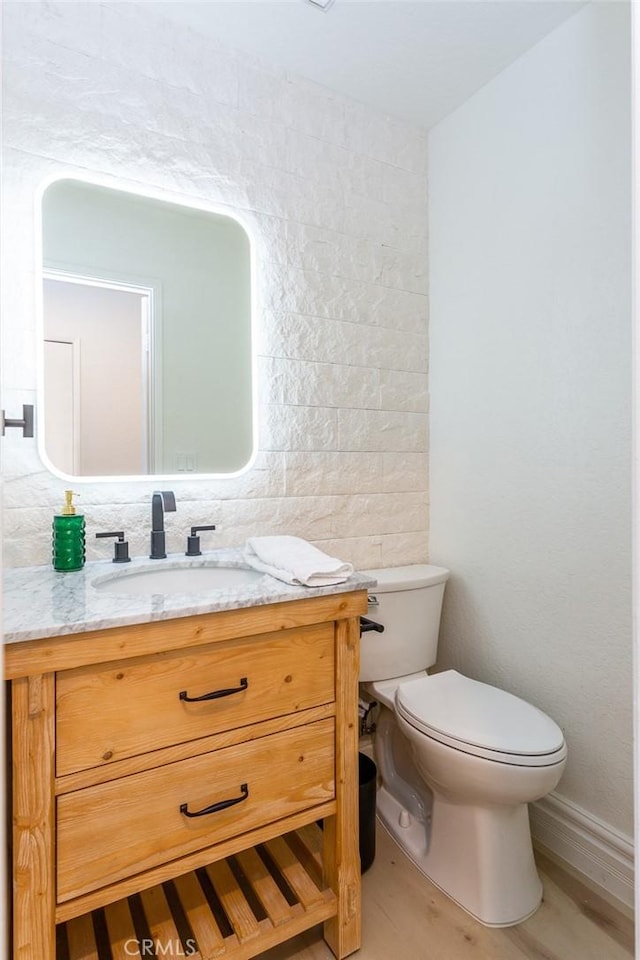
[(68, 548)]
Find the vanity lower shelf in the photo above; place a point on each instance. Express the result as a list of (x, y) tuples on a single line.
[(232, 909)]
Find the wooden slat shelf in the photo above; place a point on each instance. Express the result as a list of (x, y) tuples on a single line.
[(232, 909)]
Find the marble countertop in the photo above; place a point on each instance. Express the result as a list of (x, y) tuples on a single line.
[(40, 602)]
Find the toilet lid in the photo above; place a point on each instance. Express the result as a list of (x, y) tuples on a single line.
[(479, 719)]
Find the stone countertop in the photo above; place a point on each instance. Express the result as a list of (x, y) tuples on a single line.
[(40, 602)]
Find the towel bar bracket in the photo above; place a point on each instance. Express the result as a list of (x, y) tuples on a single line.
[(25, 424)]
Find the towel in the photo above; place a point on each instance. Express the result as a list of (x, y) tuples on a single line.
[(295, 561)]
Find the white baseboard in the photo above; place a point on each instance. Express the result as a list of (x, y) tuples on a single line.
[(588, 845)]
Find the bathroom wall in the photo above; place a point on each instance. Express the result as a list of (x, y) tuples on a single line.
[(336, 195), (530, 340)]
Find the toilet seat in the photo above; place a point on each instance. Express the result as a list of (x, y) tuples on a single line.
[(479, 719)]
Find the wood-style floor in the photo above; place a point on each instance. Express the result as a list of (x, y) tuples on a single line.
[(406, 918)]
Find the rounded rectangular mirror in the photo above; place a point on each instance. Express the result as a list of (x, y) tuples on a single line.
[(147, 352)]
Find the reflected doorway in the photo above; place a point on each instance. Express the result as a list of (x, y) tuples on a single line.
[(98, 376)]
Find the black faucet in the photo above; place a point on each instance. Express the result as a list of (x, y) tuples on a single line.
[(160, 501)]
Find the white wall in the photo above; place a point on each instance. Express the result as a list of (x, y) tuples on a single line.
[(531, 395), (635, 97), (337, 197)]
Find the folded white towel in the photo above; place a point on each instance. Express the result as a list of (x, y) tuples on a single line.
[(295, 561)]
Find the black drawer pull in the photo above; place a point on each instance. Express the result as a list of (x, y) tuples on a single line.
[(221, 805), (215, 694), (366, 625)]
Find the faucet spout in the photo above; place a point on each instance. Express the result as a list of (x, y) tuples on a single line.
[(161, 501)]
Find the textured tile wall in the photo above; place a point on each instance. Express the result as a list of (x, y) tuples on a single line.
[(336, 194)]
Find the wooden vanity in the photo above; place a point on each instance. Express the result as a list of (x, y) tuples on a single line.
[(168, 779)]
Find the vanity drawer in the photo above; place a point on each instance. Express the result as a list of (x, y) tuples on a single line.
[(107, 713), (123, 827)]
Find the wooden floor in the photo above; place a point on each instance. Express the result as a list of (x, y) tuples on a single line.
[(406, 918)]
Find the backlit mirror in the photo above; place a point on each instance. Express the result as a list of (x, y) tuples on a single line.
[(147, 335)]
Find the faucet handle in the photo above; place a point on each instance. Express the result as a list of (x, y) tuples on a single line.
[(193, 541), (120, 547)]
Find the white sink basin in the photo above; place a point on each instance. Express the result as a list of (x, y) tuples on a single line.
[(183, 579)]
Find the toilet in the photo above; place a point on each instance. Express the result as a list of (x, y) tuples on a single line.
[(458, 760)]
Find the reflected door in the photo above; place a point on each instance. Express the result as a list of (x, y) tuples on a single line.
[(61, 415), (97, 393)]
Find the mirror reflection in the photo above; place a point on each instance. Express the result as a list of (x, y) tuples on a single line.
[(146, 335)]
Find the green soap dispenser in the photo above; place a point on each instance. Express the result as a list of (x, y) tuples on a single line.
[(68, 547)]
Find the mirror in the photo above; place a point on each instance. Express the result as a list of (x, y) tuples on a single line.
[(147, 352)]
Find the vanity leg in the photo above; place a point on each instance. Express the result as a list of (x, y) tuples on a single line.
[(341, 855), (32, 759)]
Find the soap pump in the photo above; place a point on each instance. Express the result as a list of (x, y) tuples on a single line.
[(68, 546)]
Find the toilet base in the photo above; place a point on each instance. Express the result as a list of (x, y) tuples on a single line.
[(481, 858)]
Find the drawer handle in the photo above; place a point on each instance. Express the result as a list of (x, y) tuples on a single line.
[(216, 694), (221, 805)]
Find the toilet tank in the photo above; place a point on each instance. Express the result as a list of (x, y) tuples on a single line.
[(407, 601)]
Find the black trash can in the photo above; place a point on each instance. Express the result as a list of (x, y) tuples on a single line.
[(367, 776)]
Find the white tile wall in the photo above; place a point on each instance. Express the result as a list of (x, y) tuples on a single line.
[(337, 197)]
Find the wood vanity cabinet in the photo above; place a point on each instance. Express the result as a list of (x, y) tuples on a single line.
[(168, 779)]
